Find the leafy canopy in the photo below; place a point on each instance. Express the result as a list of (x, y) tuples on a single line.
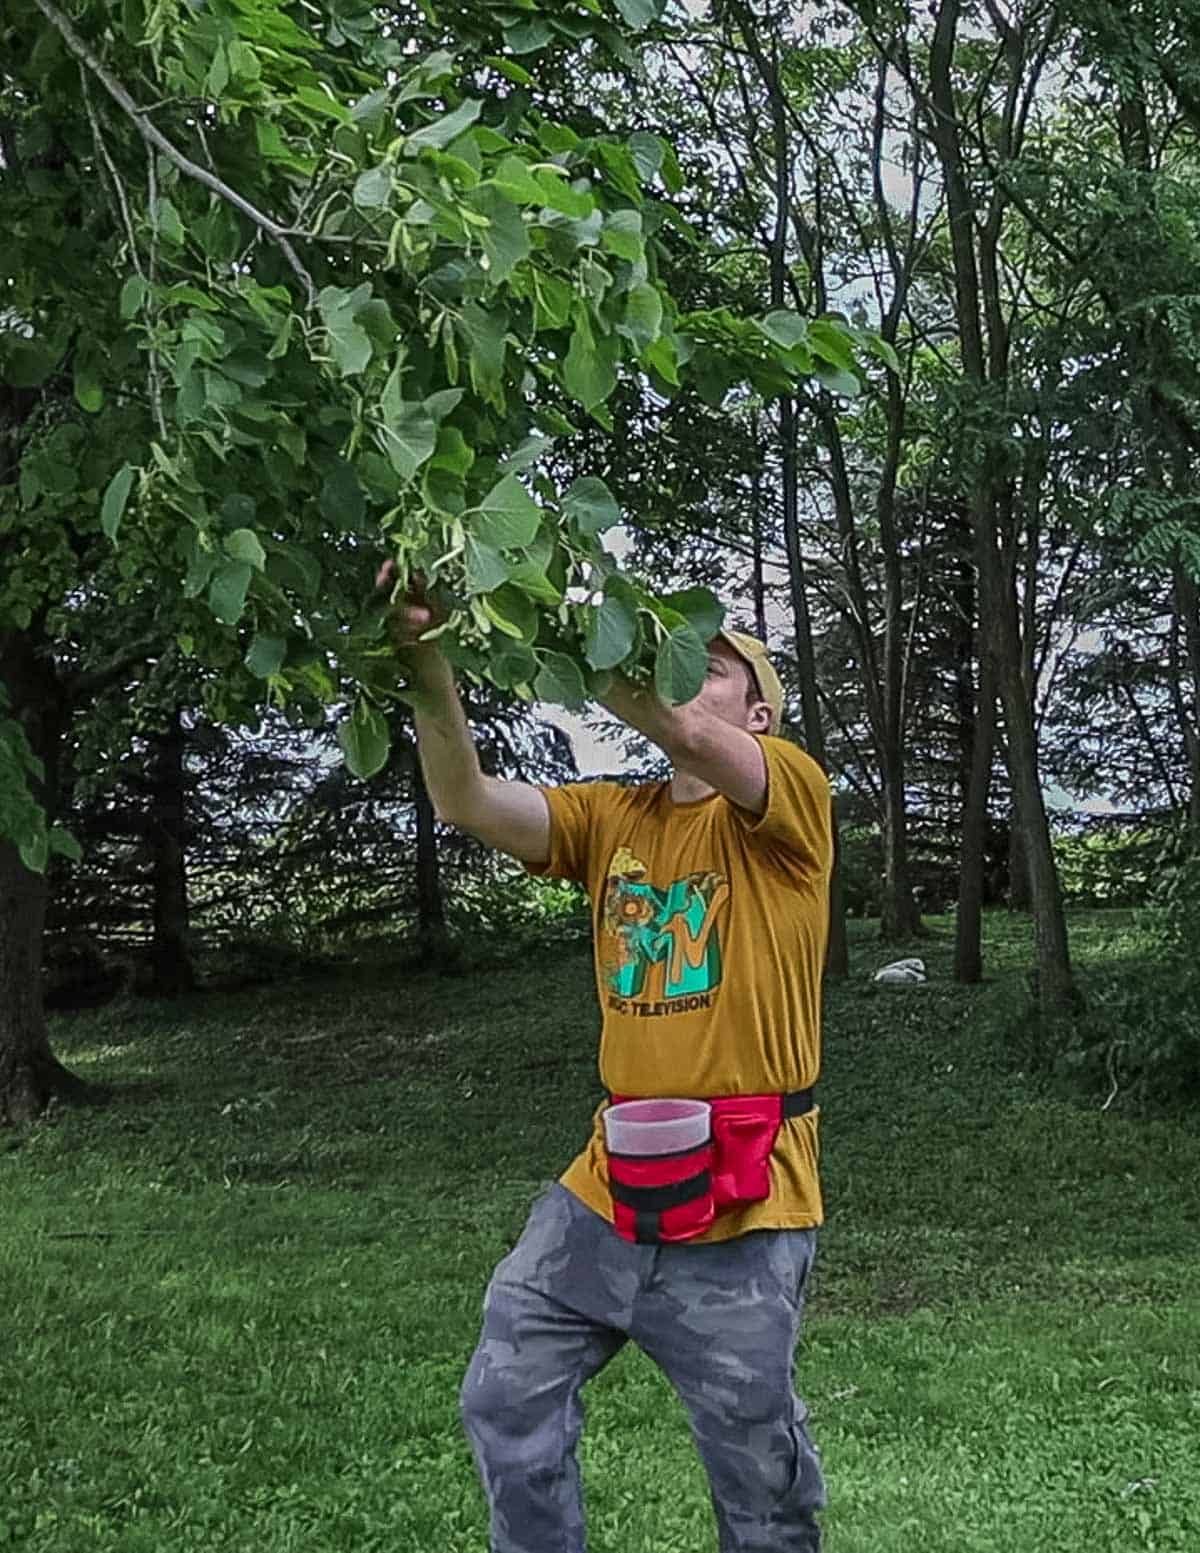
[(289, 288)]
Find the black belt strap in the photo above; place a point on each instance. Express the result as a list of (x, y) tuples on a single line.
[(797, 1102), (656, 1199)]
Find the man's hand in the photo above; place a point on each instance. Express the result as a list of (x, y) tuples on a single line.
[(413, 615), (508, 815)]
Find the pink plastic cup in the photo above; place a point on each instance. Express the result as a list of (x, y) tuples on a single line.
[(648, 1127)]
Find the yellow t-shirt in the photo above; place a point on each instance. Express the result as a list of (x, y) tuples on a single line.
[(710, 926)]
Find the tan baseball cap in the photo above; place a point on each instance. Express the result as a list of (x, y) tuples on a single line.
[(753, 653)]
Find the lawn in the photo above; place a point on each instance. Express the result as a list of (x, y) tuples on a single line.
[(237, 1302)]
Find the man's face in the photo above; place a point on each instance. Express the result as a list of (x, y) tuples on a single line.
[(730, 692)]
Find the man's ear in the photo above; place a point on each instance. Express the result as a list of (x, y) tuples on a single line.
[(760, 718)]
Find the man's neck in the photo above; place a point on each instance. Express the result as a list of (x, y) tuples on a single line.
[(689, 789)]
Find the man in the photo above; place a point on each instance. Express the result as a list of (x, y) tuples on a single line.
[(711, 900)]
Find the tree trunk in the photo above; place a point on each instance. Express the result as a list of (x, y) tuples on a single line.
[(758, 580), (1020, 885), (980, 744), (24, 1051), (837, 954), (433, 937), (1186, 608), (172, 970), (1056, 989), (29, 1073), (984, 368)]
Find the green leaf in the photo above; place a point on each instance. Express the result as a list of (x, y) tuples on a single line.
[(509, 70), (227, 591), (831, 343), (244, 545), (265, 655), (588, 372), (702, 611), (558, 194), (784, 329), (342, 502), (611, 634), (643, 316), (680, 665), (34, 851), (513, 665), (486, 568), (515, 181), (438, 135), (454, 452), (525, 37), (884, 350), (622, 235), (647, 151), (485, 332), (532, 580), (201, 565), (349, 341), (837, 380), (63, 844), (511, 612), (133, 294), (410, 439), (552, 299), (505, 239), (508, 517), (619, 166), (640, 13), (373, 189), (527, 454), (663, 357), (169, 224), (112, 508), (295, 568), (559, 680), (591, 504), (365, 740)]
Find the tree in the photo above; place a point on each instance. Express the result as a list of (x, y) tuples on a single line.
[(344, 288)]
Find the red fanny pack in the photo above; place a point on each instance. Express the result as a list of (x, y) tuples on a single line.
[(668, 1197)]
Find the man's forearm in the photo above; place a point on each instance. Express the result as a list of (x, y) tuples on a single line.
[(666, 726), (444, 742)]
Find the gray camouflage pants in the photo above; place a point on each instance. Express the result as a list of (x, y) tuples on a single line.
[(720, 1320)]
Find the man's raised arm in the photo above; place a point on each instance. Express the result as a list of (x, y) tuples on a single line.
[(513, 817), (697, 741)]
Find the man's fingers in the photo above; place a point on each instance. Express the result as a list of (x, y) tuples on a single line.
[(385, 575), (407, 622)]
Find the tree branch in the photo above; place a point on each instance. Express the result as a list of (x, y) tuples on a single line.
[(154, 137), (94, 682)]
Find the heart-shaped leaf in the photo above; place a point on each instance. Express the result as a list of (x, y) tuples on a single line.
[(486, 568), (508, 517), (611, 634), (365, 739), (560, 681), (700, 609), (591, 504), (680, 665), (227, 591), (265, 656)]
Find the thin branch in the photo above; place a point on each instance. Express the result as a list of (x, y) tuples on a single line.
[(89, 683), (155, 138), (119, 189)]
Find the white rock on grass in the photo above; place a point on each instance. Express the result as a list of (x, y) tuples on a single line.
[(902, 972)]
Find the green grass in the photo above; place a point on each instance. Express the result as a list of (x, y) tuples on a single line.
[(238, 1302)]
